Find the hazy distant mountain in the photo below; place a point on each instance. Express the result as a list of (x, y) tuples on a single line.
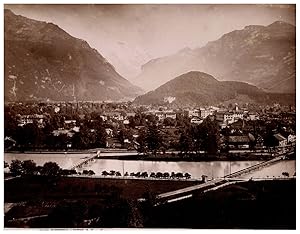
[(263, 56), (198, 88), (44, 62), (126, 58)]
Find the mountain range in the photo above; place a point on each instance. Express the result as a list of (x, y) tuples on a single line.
[(43, 62), (264, 56), (201, 89)]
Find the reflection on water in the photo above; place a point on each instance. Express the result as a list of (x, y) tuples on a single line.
[(212, 169)]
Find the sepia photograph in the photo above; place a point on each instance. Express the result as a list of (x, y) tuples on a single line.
[(149, 116)]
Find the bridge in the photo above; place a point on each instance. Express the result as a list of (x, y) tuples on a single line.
[(255, 167), (215, 184), (85, 161)]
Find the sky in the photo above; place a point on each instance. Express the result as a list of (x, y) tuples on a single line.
[(128, 36)]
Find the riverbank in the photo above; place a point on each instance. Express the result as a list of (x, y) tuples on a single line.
[(249, 156), (198, 158), (124, 154)]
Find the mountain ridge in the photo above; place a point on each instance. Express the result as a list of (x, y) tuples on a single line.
[(259, 55), (43, 62)]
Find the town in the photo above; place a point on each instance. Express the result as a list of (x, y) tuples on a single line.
[(151, 130)]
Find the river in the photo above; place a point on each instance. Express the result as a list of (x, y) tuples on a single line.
[(213, 169)]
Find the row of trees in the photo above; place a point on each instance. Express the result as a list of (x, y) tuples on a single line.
[(165, 175), (29, 167)]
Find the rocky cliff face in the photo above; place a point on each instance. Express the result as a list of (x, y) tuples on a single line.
[(259, 55), (43, 62)]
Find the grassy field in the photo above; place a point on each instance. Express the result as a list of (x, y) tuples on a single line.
[(72, 187), (67, 202)]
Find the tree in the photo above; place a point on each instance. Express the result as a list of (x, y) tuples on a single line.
[(50, 169), (29, 167), (91, 172), (125, 133), (151, 119), (182, 120), (101, 137), (179, 175), (32, 133), (153, 139), (187, 175), (210, 135), (197, 136), (10, 123), (185, 141), (285, 174), (61, 141), (169, 122), (112, 173), (16, 167), (142, 148), (85, 172), (269, 139), (6, 164), (89, 139), (105, 173), (88, 172)]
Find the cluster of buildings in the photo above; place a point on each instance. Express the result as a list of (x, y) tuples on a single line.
[(30, 119), (235, 119)]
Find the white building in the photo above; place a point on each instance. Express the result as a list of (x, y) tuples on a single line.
[(103, 117), (291, 138), (204, 113), (253, 116), (160, 115), (73, 121), (196, 120), (126, 121), (238, 115), (282, 141), (109, 131), (229, 117), (27, 119), (171, 115), (194, 113)]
